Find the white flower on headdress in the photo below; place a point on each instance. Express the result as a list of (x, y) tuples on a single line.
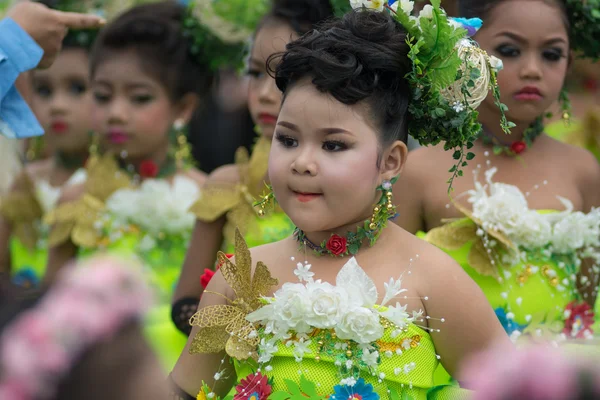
[(426, 12), (368, 4), (496, 63), (458, 106), (406, 6)]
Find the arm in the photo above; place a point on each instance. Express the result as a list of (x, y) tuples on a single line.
[(470, 325), (18, 53), (192, 369)]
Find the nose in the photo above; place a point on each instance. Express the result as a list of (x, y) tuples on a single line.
[(531, 68), (268, 92), (305, 163), (59, 104), (117, 110)]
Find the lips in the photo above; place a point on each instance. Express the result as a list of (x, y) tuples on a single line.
[(117, 136), (267, 119), (305, 197), (529, 93), (59, 127)]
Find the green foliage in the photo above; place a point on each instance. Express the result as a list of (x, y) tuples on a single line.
[(584, 20), (305, 391)]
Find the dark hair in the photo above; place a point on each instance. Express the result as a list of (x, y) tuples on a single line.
[(483, 8), (154, 32), (362, 56), (300, 15)]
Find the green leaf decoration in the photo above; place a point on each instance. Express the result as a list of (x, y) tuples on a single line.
[(308, 387), (394, 394), (293, 387), (280, 395)]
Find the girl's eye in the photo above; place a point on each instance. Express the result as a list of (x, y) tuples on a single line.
[(101, 97), (255, 73), (142, 99), (43, 91), (285, 140), (553, 55), (334, 145), (78, 88), (507, 50)]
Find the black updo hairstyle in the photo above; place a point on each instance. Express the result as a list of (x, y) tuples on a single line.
[(483, 8), (154, 32), (300, 15), (361, 57)]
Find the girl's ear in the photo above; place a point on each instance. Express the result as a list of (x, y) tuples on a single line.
[(187, 106)]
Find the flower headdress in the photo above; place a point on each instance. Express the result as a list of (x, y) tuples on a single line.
[(450, 77), (87, 304), (220, 30), (584, 20)]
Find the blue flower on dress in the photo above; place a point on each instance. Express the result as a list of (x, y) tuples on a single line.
[(359, 391), (472, 25), (26, 278), (508, 324)]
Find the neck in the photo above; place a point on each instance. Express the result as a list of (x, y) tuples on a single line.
[(138, 165), (491, 127), (318, 237), (71, 160)]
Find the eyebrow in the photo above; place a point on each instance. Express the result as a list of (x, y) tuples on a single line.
[(326, 131), (129, 86), (521, 39)]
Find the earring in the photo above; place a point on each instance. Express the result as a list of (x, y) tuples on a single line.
[(385, 208), (183, 152), (94, 144), (565, 106), (266, 202)]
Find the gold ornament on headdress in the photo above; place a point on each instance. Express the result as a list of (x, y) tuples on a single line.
[(75, 220), (224, 326), (455, 234), (236, 199)]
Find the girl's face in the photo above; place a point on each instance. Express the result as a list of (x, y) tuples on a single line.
[(132, 111), (323, 161), (62, 101), (264, 99), (531, 39)]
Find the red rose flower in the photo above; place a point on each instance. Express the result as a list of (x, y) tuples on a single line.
[(518, 147), (254, 387), (148, 169), (580, 319), (209, 273), (336, 245)]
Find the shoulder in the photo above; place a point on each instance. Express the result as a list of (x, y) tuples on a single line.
[(225, 174), (71, 193), (196, 175), (39, 169)]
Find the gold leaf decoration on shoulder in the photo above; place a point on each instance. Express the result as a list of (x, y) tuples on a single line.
[(588, 134), (453, 235), (23, 210), (236, 199), (75, 220), (224, 327)]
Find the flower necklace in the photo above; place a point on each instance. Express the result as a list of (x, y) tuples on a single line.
[(517, 147), (149, 169), (70, 161), (339, 246)]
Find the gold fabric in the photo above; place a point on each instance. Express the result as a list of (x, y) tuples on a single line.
[(22, 210)]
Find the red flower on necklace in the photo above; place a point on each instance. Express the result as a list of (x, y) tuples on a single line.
[(518, 147), (148, 169), (254, 387), (337, 245), (580, 318)]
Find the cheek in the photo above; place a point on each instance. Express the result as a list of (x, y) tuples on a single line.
[(153, 119)]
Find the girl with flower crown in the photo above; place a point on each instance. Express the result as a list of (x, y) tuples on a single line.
[(61, 99), (537, 267), (227, 198), (150, 68), (369, 310)]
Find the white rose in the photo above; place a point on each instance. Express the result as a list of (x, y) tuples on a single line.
[(496, 63), (405, 5), (356, 4), (533, 232), (361, 325), (569, 234), (426, 12), (503, 209), (290, 307), (325, 304)]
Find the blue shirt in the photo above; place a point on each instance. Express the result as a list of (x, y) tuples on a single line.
[(18, 53)]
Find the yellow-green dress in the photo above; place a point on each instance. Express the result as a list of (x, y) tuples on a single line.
[(584, 133), (24, 210), (361, 351), (148, 222), (235, 201)]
